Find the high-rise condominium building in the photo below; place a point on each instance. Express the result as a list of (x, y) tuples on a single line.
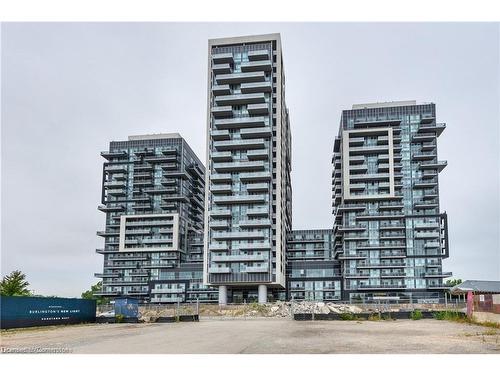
[(248, 189), (153, 197), (390, 235)]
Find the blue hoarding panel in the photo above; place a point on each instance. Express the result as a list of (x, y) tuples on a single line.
[(128, 307), (39, 311)]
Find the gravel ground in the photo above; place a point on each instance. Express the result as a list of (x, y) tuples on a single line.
[(261, 335)]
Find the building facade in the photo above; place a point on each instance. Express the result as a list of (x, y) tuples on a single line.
[(248, 189), (312, 271), (390, 235), (153, 198)]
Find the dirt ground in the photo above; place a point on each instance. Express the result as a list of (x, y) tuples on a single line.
[(261, 335)]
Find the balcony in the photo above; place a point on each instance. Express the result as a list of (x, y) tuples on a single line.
[(438, 274), (425, 205), (427, 235), (220, 135), (221, 58), (256, 66), (239, 166), (223, 111), (116, 192), (381, 265), (219, 270), (393, 275), (264, 132), (257, 154), (424, 155), (249, 235), (362, 150), (425, 184), (237, 144), (240, 122), (235, 78), (254, 246), (240, 199), (240, 99), (381, 216), (437, 128), (111, 208), (220, 177), (219, 224), (221, 90), (121, 168), (114, 154), (426, 137), (220, 189), (391, 206), (237, 257), (381, 286), (221, 68), (255, 177), (255, 223), (260, 187), (221, 156), (440, 165), (264, 269), (169, 181), (258, 55), (258, 109), (108, 233), (392, 254), (250, 88), (220, 213), (370, 177), (357, 228), (262, 211), (366, 123), (427, 225), (218, 247)]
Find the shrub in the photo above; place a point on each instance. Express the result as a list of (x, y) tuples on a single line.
[(416, 315), (374, 317), (386, 316), (347, 316), (119, 318)]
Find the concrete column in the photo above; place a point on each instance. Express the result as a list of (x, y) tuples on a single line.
[(262, 293), (222, 295)]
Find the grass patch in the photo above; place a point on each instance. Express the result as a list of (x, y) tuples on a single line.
[(416, 315), (455, 316)]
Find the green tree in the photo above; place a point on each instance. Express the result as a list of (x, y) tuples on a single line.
[(90, 294), (453, 282), (15, 284)]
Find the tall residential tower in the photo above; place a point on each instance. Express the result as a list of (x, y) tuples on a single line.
[(390, 234), (248, 189), (153, 196)]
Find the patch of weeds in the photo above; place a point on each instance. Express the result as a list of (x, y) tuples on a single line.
[(490, 332), (416, 315), (374, 317), (487, 324), (347, 316), (386, 316), (119, 318), (260, 308)]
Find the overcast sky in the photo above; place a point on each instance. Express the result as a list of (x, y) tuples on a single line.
[(69, 89)]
